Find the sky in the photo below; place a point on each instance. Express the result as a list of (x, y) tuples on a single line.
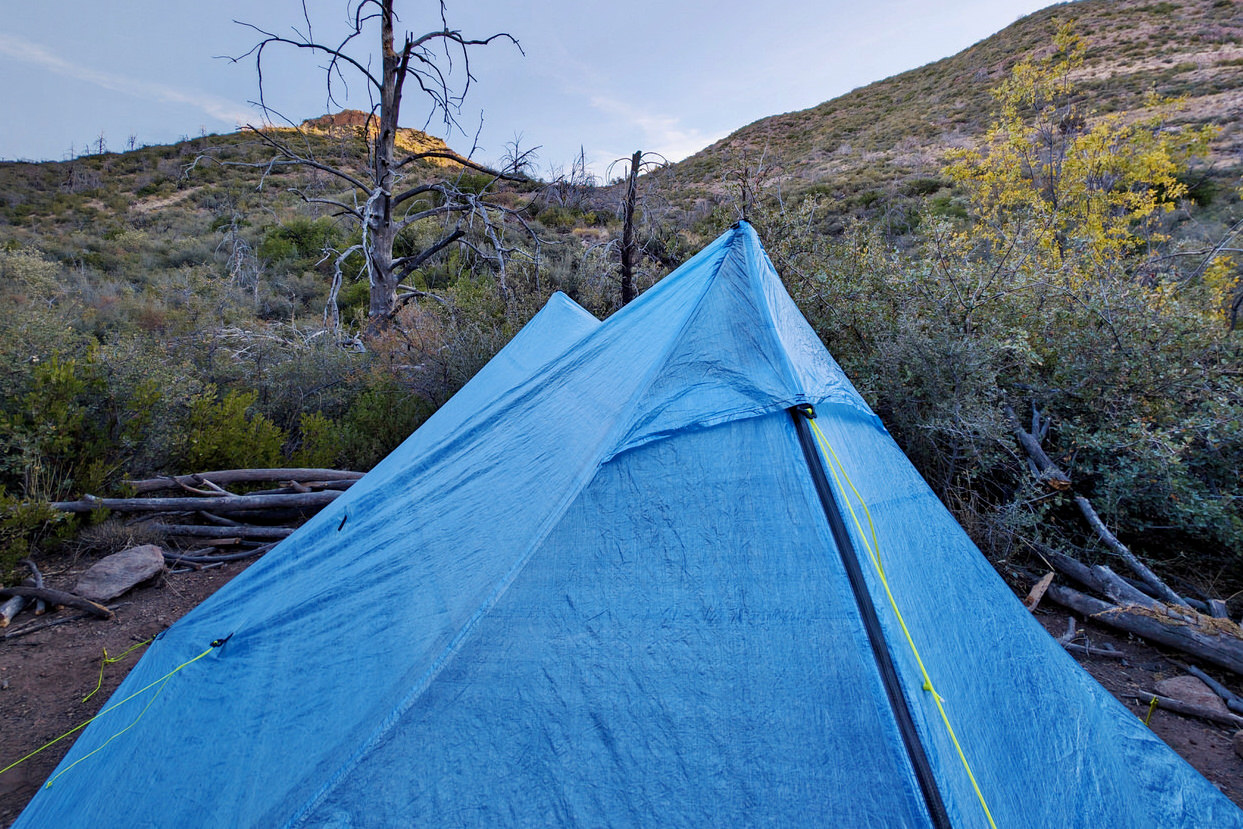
[(665, 76)]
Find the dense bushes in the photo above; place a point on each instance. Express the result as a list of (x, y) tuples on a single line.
[(1057, 294)]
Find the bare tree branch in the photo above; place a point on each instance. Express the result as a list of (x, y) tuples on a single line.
[(436, 61)]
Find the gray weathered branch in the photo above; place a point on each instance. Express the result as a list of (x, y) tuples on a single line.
[(1216, 645), (225, 503), (58, 597), (238, 476)]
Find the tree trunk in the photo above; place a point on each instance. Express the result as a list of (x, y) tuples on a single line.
[(630, 248), (379, 213)]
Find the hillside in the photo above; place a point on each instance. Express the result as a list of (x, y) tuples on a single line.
[(183, 287), (890, 138), (165, 313)]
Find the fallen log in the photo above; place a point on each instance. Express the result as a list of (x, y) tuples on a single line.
[(186, 558), (1070, 567), (233, 531), (218, 520), (223, 503), (1140, 569), (35, 627), (272, 516), (10, 608), (1091, 650), (15, 605), (1179, 706), (1122, 593), (309, 486), (58, 597), (40, 605), (236, 476), (1221, 648)]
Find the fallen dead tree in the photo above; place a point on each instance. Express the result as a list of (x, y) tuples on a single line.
[(1212, 640), (57, 597), (1144, 606), (234, 530), (211, 557), (1189, 709), (237, 476), (220, 503)]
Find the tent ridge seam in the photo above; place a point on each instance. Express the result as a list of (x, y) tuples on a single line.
[(774, 336), (447, 653), (623, 424)]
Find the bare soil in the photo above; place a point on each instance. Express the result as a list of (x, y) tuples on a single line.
[(1205, 746), (45, 675)]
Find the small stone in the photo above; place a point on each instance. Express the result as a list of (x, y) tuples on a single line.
[(113, 575), (1192, 690)]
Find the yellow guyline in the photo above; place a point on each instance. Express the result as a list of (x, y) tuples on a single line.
[(838, 470), (75, 729), (108, 660)]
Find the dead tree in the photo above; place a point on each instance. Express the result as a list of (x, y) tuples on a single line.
[(631, 251), (385, 200)]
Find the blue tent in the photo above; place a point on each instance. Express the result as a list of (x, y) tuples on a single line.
[(665, 570)]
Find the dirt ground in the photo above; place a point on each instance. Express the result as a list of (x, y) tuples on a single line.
[(45, 675)]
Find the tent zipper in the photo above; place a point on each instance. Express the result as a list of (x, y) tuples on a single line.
[(871, 622)]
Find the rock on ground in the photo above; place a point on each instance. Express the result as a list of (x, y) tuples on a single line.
[(1193, 690), (113, 575)]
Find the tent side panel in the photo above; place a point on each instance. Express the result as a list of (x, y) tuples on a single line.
[(1046, 743), (682, 650)]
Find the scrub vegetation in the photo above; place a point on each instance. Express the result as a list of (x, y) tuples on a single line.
[(1040, 222)]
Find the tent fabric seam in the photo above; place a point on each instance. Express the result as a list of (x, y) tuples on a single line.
[(779, 348), (610, 439), (618, 432), (446, 655)]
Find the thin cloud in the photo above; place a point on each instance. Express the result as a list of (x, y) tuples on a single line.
[(662, 133), (218, 108)]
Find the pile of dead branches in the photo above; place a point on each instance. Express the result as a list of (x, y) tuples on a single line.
[(215, 525), (1141, 603)]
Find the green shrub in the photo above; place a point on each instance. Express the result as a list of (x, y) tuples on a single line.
[(227, 433), (24, 526), (299, 238), (378, 420), (319, 442), (55, 438)]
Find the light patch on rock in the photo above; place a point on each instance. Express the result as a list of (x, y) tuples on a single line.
[(113, 575), (1192, 690)]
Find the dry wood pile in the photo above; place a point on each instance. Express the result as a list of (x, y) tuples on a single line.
[(201, 520), (222, 525), (1140, 604)]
